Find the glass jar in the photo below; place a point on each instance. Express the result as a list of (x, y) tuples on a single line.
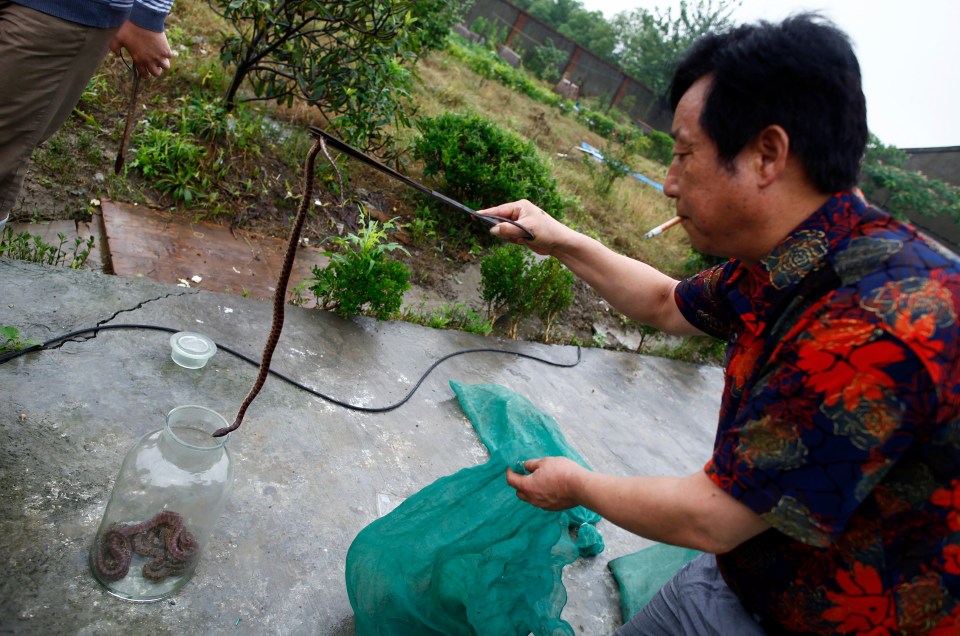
[(171, 489)]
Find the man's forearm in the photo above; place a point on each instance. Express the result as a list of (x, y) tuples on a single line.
[(630, 286), (688, 511)]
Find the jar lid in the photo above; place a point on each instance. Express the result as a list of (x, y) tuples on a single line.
[(191, 350)]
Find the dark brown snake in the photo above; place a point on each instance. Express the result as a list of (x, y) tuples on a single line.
[(164, 537), (279, 296)]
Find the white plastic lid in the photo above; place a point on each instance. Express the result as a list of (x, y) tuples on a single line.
[(191, 350)]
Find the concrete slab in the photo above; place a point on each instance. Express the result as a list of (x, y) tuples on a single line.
[(310, 475)]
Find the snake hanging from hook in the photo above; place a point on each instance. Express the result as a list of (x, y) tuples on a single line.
[(279, 296)]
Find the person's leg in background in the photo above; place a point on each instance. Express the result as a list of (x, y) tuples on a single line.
[(45, 64)]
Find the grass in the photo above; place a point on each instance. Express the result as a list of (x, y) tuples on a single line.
[(618, 219)]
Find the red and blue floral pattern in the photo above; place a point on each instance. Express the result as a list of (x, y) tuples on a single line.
[(840, 424)]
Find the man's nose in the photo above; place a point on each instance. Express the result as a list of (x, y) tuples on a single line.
[(671, 186)]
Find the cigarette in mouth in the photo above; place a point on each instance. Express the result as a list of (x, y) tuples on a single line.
[(662, 227)]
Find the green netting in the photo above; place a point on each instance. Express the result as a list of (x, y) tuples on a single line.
[(641, 575), (465, 555)]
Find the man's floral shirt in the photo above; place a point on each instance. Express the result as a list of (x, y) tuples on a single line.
[(840, 424)]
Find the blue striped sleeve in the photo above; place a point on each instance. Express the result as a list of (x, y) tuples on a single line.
[(150, 14)]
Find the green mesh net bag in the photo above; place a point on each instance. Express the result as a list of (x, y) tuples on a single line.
[(641, 575), (465, 555)]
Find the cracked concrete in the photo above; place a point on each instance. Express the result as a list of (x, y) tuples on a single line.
[(310, 474)]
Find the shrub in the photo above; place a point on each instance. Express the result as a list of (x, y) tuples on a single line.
[(553, 285), (513, 284), (12, 340), (484, 165), (489, 65), (616, 164), (360, 279), (597, 122), (504, 273), (657, 146)]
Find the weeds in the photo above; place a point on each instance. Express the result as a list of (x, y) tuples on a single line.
[(173, 163), (458, 316), (32, 248), (193, 152), (12, 340)]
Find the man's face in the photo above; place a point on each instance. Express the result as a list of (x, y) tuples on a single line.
[(711, 200)]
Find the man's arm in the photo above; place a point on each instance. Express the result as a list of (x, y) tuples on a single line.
[(687, 511), (633, 288)]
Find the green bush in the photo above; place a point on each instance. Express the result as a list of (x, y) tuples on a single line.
[(491, 33), (553, 291), (360, 279), (484, 165), (504, 274), (657, 146), (616, 164), (514, 284), (597, 122)]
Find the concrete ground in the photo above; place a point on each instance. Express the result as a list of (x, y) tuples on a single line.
[(309, 475)]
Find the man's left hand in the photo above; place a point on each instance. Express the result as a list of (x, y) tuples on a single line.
[(553, 482)]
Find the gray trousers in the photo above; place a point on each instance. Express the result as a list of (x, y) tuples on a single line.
[(695, 602), (45, 64)]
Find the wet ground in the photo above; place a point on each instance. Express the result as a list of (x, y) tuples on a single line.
[(310, 475)]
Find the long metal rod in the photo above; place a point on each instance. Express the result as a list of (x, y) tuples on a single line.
[(370, 161)]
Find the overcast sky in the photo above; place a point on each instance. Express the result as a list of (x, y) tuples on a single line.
[(909, 56)]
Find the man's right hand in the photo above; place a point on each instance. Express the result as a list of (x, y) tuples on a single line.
[(150, 51), (549, 232)]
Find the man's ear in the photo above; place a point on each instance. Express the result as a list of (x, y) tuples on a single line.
[(772, 148)]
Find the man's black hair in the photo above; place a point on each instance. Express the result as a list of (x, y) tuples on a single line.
[(801, 74)]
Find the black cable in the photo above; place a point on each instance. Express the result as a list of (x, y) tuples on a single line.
[(366, 409)]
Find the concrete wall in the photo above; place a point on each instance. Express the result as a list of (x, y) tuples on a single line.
[(595, 76), (943, 164), (939, 163)]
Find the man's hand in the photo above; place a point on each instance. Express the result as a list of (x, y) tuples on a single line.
[(550, 233), (553, 482), (150, 51), (690, 511)]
